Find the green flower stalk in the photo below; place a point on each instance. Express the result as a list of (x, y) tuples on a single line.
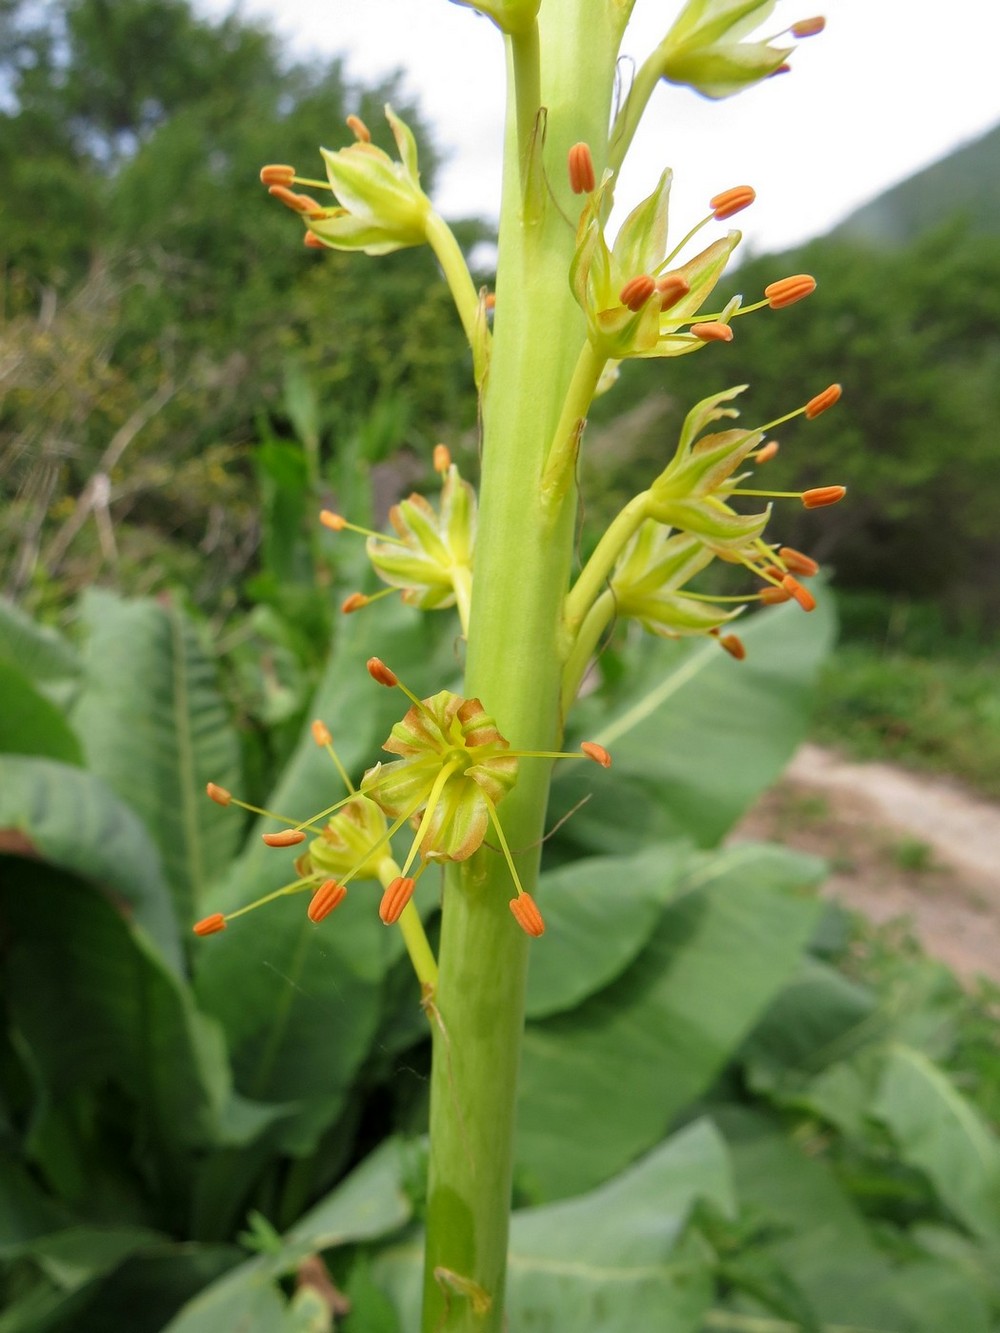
[(571, 303)]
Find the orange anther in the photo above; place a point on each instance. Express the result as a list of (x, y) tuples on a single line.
[(822, 401), (581, 169), (321, 733), (798, 563), (808, 27), (442, 458), (734, 646), (359, 129), (328, 896), (378, 671), (766, 452), (277, 175), (314, 242), (218, 794), (395, 898), (713, 332), (732, 201), (527, 915), (354, 602), (596, 752), (286, 838), (490, 300), (802, 595), (637, 291), (772, 596), (298, 203), (671, 288), (821, 496), (210, 925), (335, 522), (786, 291)]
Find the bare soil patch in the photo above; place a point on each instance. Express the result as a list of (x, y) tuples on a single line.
[(899, 844)]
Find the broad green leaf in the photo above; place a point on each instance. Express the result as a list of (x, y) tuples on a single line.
[(370, 1203), (26, 1211), (97, 1009), (695, 736), (30, 724), (599, 914), (600, 1085), (54, 663), (301, 1003), (71, 819), (937, 1130), (616, 1260), (154, 726)]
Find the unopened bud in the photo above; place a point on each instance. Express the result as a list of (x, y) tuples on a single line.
[(637, 291), (442, 458), (379, 672), (596, 752), (218, 794), (786, 291), (802, 595), (354, 602), (527, 915), (798, 563), (210, 925), (359, 129), (277, 174), (335, 522), (288, 837), (822, 401), (321, 733), (808, 27), (395, 898), (820, 496), (581, 169), (734, 646), (732, 201), (328, 896), (713, 332)]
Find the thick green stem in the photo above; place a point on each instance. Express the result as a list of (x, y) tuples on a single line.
[(514, 664)]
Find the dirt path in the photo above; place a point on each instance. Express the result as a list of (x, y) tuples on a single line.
[(899, 844)]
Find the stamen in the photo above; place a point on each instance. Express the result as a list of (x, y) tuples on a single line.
[(442, 458), (288, 837), (337, 523), (581, 169), (713, 332), (772, 596), (359, 129), (808, 27), (822, 401), (490, 301), (671, 289), (321, 733), (596, 752), (637, 292), (210, 925), (298, 203), (354, 602), (379, 672), (313, 241), (802, 595), (732, 201), (766, 452), (734, 646), (798, 563), (397, 894), (218, 794), (786, 291), (277, 174), (328, 896), (527, 915), (820, 496)]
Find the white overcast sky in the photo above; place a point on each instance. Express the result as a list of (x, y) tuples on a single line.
[(891, 86)]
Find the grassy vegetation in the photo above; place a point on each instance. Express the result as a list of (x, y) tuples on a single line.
[(904, 688)]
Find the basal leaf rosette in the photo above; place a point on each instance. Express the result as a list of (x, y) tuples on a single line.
[(455, 766)]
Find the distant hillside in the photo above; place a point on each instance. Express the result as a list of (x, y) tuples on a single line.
[(966, 183)]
